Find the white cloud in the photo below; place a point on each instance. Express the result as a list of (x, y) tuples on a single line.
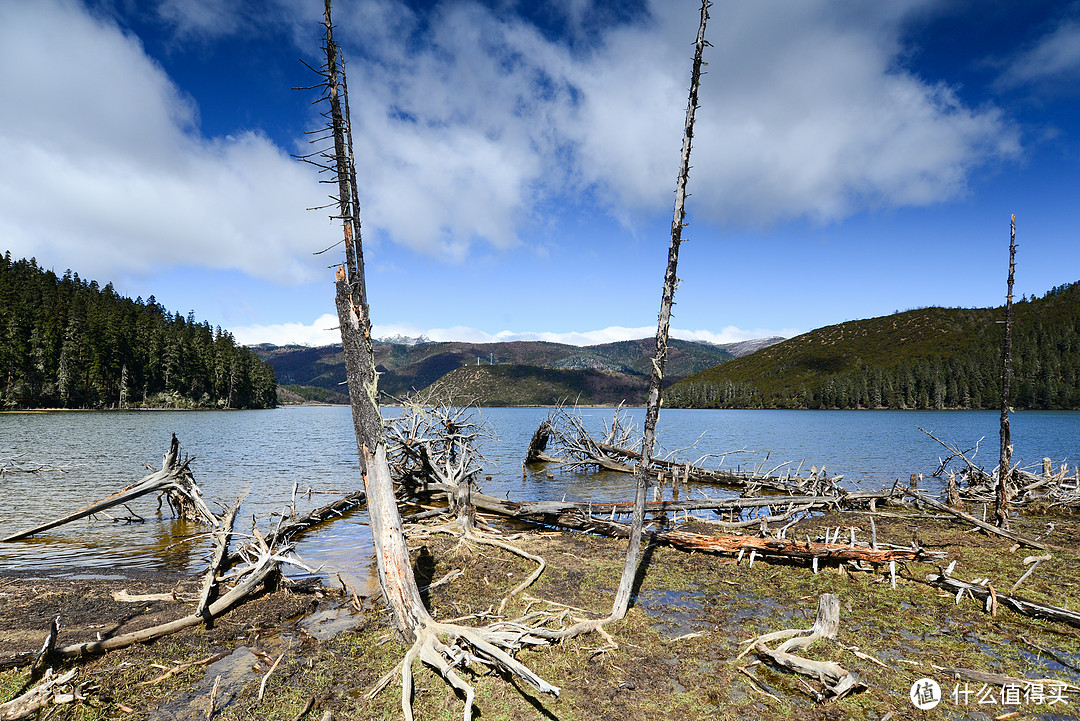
[(463, 128), (105, 171), (324, 331), (804, 112), (467, 122), (1054, 57)]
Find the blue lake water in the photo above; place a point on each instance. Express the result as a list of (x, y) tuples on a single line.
[(259, 455)]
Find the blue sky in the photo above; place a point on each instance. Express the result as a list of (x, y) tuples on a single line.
[(517, 160)]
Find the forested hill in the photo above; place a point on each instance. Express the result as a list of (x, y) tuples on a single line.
[(520, 372), (67, 343), (926, 358)]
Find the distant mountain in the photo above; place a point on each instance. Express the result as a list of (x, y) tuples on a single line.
[(925, 358), (525, 385), (599, 372)]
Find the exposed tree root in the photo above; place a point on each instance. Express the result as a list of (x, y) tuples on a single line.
[(838, 681)]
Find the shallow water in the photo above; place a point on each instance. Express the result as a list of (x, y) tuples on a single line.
[(259, 455)]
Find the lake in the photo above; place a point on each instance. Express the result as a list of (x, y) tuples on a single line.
[(259, 455)]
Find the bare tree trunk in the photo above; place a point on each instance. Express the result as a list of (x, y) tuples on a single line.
[(1001, 501), (622, 596), (395, 571)]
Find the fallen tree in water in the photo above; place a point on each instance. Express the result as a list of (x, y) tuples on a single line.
[(972, 484), (562, 438), (174, 482)]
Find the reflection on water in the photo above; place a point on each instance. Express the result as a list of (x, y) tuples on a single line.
[(259, 455)]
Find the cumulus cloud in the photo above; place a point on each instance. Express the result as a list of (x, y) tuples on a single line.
[(807, 112), (105, 170), (324, 331), (470, 123), (1054, 57)]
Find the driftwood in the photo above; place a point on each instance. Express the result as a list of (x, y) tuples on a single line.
[(576, 516), (251, 582), (287, 531), (12, 465), (992, 598), (838, 681), (990, 528), (537, 450), (973, 484), (174, 479), (575, 447), (49, 691), (222, 537), (997, 679)]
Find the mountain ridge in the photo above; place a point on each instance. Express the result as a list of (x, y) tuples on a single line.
[(607, 372)]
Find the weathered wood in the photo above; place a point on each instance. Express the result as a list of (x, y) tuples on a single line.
[(656, 378), (576, 516), (1001, 496), (312, 519), (533, 509), (251, 582), (1016, 603), (44, 657), (174, 478), (838, 681), (938, 505), (537, 450), (997, 679), (222, 538), (37, 698), (441, 646)]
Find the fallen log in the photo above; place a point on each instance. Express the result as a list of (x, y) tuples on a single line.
[(218, 563), (576, 516), (288, 531), (252, 581), (990, 528), (991, 598), (997, 679), (687, 472), (174, 479), (766, 547), (577, 448)]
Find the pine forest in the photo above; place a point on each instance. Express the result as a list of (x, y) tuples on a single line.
[(67, 343), (927, 358)]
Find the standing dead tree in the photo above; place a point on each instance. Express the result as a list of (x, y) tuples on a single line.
[(443, 646), (667, 300), (1001, 500)]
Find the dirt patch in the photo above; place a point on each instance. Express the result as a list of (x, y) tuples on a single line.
[(677, 645)]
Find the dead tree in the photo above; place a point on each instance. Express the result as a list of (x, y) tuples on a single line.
[(174, 481), (442, 646), (622, 596), (1001, 500), (395, 569), (436, 441)]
